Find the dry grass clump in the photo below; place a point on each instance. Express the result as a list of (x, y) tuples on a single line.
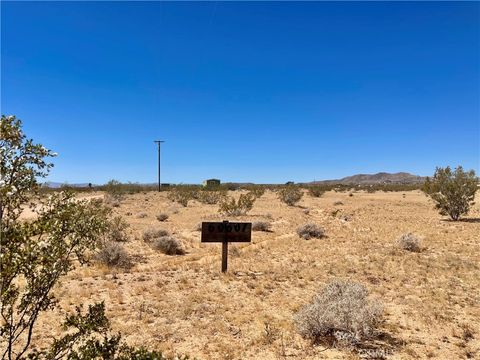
[(337, 203), (316, 191), (211, 197), (153, 233), (261, 226), (162, 217), (341, 312), (310, 230), (169, 245), (142, 215), (409, 242), (114, 255)]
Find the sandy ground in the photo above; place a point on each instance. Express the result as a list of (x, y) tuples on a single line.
[(184, 304)]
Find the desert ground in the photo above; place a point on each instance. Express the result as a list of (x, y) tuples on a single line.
[(185, 305)]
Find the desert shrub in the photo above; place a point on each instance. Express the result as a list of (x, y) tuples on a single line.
[(409, 242), (452, 191), (290, 194), (232, 207), (168, 245), (117, 230), (261, 226), (111, 201), (338, 203), (211, 196), (151, 234), (316, 191), (142, 215), (162, 217), (340, 311), (182, 195), (257, 191), (310, 230), (113, 255)]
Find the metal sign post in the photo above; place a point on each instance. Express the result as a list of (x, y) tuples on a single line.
[(226, 232)]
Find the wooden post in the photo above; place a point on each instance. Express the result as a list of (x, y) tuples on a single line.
[(225, 248)]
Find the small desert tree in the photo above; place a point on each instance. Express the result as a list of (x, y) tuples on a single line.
[(452, 191), (36, 253)]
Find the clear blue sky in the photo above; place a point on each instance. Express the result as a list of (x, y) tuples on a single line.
[(259, 91)]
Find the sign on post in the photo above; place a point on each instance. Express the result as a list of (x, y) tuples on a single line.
[(226, 232)]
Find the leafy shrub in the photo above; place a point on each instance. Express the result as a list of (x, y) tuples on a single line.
[(232, 207), (452, 191), (162, 217), (340, 311), (409, 242), (153, 233), (257, 191), (316, 191), (113, 255), (210, 196), (182, 195), (290, 194), (309, 231), (261, 226), (169, 245), (117, 230)]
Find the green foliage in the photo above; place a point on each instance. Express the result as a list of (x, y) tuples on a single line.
[(290, 194), (36, 253), (452, 191), (182, 194), (211, 196), (316, 191), (232, 207)]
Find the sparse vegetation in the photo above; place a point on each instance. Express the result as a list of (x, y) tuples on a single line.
[(151, 234), (211, 196), (452, 191), (261, 226), (310, 230), (117, 230), (316, 191), (290, 194), (168, 245), (114, 255), (409, 242), (162, 217), (232, 207), (340, 312), (182, 194)]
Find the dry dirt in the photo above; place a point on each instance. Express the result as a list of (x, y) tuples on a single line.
[(185, 305)]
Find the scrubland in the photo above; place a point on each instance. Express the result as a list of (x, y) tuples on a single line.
[(184, 304)]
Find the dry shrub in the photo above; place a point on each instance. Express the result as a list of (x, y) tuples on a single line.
[(316, 191), (169, 245), (153, 233), (261, 226), (409, 242), (142, 215), (341, 312), (162, 217), (257, 191), (211, 197), (182, 195), (337, 203), (116, 231), (290, 195), (114, 255), (112, 201), (310, 230), (229, 206)]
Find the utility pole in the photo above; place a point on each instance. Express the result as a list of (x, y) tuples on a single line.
[(159, 183)]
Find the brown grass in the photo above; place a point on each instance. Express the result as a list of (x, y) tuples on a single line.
[(185, 304)]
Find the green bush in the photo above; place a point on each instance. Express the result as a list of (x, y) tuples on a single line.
[(290, 194), (232, 207), (211, 196), (182, 195), (452, 191)]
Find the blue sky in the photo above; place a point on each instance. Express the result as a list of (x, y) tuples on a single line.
[(260, 91)]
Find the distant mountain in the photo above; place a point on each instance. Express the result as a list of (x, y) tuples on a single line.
[(57, 185), (379, 178)]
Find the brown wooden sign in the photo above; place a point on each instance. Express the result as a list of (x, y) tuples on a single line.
[(225, 232)]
